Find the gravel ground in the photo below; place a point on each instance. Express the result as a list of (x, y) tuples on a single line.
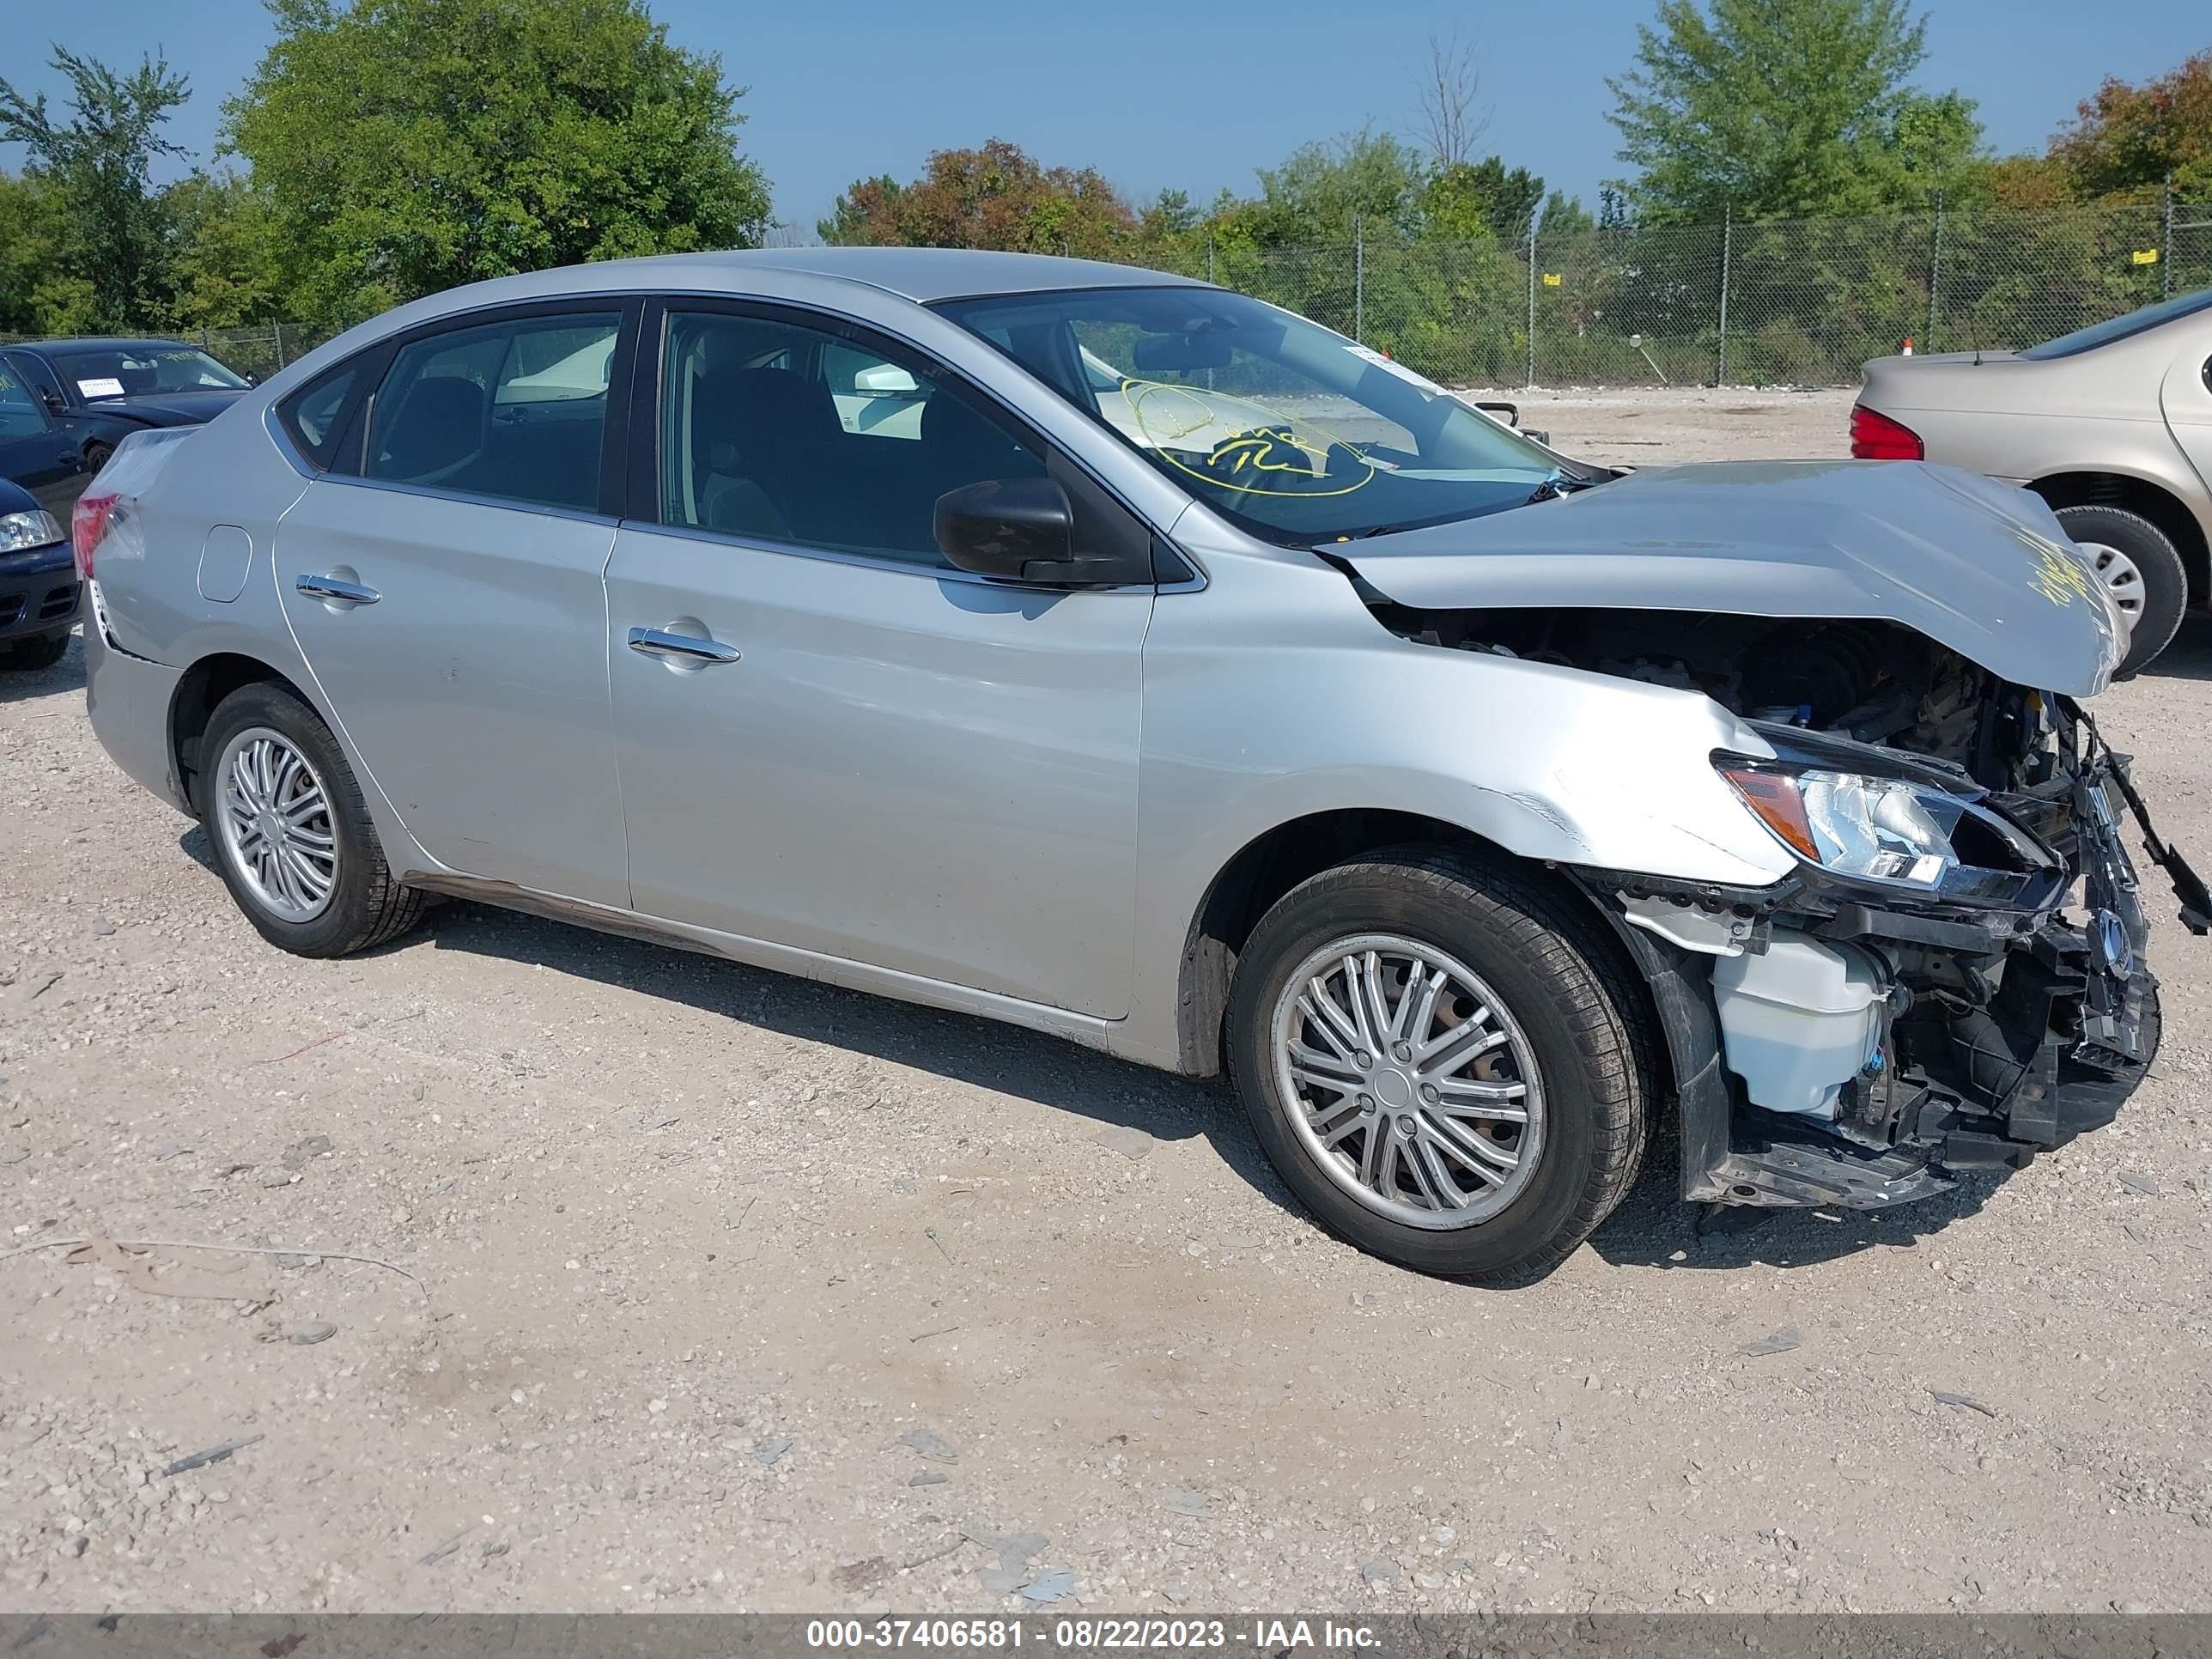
[(697, 1288)]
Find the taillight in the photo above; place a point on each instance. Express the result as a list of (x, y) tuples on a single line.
[(1875, 437), (87, 525)]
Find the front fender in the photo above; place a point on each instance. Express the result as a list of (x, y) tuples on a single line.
[(1284, 698)]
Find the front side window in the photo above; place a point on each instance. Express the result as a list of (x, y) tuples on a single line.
[(21, 416), (1295, 434), (516, 410), (143, 370), (773, 429)]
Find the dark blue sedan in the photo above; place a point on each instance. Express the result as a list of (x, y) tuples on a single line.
[(64, 405), (39, 586)]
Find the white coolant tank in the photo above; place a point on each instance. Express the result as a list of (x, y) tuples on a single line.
[(1799, 1022)]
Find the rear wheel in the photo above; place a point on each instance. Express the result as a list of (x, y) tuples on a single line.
[(2137, 564), (30, 655), (292, 835), (1443, 1061)]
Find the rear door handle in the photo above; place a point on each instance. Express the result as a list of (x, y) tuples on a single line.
[(684, 647), (330, 587)]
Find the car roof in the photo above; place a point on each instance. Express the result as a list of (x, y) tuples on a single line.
[(119, 343), (925, 274)]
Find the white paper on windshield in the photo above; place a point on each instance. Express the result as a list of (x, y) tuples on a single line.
[(103, 387), (1390, 366)]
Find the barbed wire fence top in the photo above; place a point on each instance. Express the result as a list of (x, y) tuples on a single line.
[(1793, 302)]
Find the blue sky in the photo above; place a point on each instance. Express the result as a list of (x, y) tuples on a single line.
[(1168, 92)]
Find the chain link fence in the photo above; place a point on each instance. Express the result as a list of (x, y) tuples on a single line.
[(1793, 302), (1800, 302)]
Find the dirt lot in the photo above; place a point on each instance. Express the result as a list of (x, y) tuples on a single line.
[(698, 1288)]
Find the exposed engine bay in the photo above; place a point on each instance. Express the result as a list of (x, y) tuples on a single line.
[(1872, 681), (1859, 1032)]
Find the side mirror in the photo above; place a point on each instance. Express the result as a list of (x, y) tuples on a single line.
[(52, 399), (1021, 529)]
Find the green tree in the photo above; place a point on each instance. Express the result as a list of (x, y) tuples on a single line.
[(1480, 198), (94, 171), (995, 197), (2129, 138), (37, 294), (1566, 215), (1318, 192), (1784, 109), (405, 146), (228, 263)]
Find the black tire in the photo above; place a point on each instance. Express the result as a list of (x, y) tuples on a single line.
[(95, 456), (366, 907), (2164, 579), (1562, 981), (28, 656)]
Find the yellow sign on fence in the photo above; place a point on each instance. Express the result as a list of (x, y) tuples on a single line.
[(2145, 255), (1552, 279)]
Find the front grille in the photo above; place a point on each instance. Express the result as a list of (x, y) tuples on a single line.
[(60, 602)]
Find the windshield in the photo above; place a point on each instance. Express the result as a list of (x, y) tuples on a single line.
[(1295, 434), (133, 371), (2119, 328)]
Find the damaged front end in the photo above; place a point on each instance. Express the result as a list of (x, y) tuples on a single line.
[(1948, 975), (1859, 1037)]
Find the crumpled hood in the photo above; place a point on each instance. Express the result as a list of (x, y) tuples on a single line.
[(1974, 565), (170, 408)]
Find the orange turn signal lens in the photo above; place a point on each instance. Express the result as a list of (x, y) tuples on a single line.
[(1780, 805)]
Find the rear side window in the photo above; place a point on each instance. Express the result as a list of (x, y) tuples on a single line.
[(516, 411), (315, 415), (2121, 328)]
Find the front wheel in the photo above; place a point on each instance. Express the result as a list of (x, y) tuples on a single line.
[(1443, 1060)]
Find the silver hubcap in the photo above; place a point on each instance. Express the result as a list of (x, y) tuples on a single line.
[(275, 821), (2118, 572), (1409, 1081)]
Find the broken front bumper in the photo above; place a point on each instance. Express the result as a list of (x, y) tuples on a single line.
[(2001, 1032)]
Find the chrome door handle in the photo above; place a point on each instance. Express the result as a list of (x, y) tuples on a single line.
[(330, 587), (686, 648)]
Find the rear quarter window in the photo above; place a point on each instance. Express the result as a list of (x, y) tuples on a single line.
[(315, 416)]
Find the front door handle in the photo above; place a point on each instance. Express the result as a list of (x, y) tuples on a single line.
[(683, 647), (332, 587)]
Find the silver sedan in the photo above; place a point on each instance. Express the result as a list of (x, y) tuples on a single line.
[(2110, 424), (1119, 657)]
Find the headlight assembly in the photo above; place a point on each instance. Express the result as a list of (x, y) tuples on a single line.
[(19, 531), (1884, 829)]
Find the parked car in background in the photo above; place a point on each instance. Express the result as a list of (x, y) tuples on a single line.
[(39, 585), (1126, 659), (85, 396), (2110, 424)]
